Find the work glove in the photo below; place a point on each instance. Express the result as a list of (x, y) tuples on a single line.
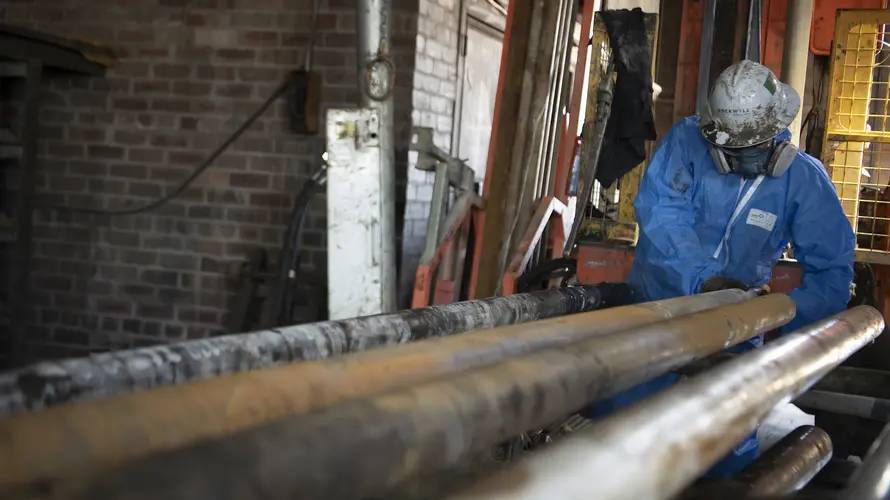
[(722, 283)]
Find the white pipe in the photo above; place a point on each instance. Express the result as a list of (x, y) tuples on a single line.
[(656, 448), (796, 53)]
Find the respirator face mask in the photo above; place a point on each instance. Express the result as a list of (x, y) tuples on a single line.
[(751, 161), (768, 158)]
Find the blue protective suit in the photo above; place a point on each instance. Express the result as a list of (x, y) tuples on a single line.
[(684, 207)]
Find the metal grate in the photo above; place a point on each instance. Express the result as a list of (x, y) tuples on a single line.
[(857, 139)]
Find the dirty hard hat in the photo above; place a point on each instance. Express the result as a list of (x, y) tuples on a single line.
[(748, 106)]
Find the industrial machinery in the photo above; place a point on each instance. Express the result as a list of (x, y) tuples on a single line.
[(413, 404)]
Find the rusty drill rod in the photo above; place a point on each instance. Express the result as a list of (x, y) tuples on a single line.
[(656, 448), (871, 481), (364, 446), (69, 437), (50, 383), (783, 469), (789, 465)]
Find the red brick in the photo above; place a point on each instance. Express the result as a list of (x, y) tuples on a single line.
[(191, 89), (249, 180), (256, 144), (188, 158), (339, 40), (129, 171), (130, 104), (195, 19), (77, 167), (136, 290), (173, 174), (121, 238), (171, 70), (138, 257), (166, 140), (132, 69), (107, 186), (192, 315), (174, 105), (145, 155), (218, 73), (166, 278), (178, 261), (145, 190), (86, 134), (67, 183), (136, 35), (130, 137), (52, 283), (87, 99), (294, 39), (206, 247), (239, 91), (156, 311), (236, 54), (272, 200), (114, 306), (260, 38), (151, 87), (65, 149), (188, 123), (110, 152)]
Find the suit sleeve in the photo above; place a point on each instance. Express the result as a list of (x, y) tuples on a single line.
[(676, 262), (824, 245)]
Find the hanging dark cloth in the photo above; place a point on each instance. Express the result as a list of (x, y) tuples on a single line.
[(631, 122)]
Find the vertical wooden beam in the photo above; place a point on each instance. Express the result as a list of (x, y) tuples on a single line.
[(688, 58), (483, 281)]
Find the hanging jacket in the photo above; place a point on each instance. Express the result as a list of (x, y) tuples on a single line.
[(684, 208)]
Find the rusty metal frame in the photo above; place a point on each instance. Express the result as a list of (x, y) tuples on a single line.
[(547, 208), (467, 210)]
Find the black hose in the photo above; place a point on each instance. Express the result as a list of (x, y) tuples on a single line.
[(289, 257)]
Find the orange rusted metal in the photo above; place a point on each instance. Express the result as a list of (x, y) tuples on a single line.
[(569, 140), (548, 208), (364, 446), (824, 14), (457, 234), (70, 439)]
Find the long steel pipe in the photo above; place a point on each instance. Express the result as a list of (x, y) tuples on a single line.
[(72, 437), (789, 465), (871, 481), (658, 447), (103, 375), (363, 446)]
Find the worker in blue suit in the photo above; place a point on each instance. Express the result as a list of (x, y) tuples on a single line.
[(721, 198)]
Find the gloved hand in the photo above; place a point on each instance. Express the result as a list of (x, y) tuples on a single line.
[(722, 283)]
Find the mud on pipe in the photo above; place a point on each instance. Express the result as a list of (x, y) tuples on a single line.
[(50, 383), (377, 442), (65, 439), (657, 447)]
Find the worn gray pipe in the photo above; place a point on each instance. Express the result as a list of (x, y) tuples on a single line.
[(364, 446), (114, 373), (658, 447), (871, 481), (376, 82), (789, 465)]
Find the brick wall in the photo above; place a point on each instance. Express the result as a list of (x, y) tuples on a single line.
[(190, 71)]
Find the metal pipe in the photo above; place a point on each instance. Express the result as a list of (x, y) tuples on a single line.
[(796, 53), (49, 443), (704, 60), (871, 481), (846, 404), (109, 374), (789, 465), (659, 446), (379, 441), (753, 36), (376, 82)]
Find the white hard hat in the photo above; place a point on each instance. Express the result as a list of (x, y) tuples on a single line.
[(748, 106)]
